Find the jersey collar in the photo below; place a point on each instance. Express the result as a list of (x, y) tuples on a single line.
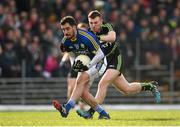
[(75, 38)]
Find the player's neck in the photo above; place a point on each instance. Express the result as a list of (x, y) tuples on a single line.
[(74, 37)]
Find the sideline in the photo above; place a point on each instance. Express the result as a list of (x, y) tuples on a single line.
[(111, 107), (90, 126)]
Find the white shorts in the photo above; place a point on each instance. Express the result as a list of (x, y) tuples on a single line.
[(97, 70)]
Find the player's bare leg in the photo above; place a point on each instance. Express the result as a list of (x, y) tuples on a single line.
[(101, 92), (121, 84), (107, 78), (71, 83), (81, 81), (136, 87), (80, 87), (90, 99)]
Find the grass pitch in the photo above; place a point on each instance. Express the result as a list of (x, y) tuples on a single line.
[(118, 118)]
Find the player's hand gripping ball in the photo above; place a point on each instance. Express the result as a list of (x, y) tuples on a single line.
[(63, 48), (80, 63)]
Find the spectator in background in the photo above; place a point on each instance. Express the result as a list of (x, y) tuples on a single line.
[(152, 53), (34, 21), (132, 33), (9, 61), (165, 46), (176, 46), (24, 56), (163, 17), (51, 65), (1, 50), (57, 7), (138, 19), (2, 15), (37, 57), (154, 23), (125, 48), (47, 41)]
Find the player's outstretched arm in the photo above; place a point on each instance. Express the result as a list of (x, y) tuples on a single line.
[(64, 59), (99, 56), (110, 37)]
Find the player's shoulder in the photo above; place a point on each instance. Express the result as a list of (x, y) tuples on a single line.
[(107, 26), (85, 34), (64, 40)]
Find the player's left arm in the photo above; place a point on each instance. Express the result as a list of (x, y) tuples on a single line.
[(71, 57), (110, 36), (99, 56), (94, 47)]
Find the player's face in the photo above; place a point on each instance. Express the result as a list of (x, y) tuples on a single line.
[(95, 24), (68, 30)]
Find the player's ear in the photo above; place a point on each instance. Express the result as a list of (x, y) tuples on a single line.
[(74, 27), (101, 20)]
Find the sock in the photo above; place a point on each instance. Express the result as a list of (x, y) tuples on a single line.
[(100, 110), (91, 111), (146, 86), (70, 104)]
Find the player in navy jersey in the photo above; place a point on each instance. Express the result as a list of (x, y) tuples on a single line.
[(113, 74), (77, 42), (71, 78)]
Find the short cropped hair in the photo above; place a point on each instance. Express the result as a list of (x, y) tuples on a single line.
[(68, 19), (94, 14), (82, 25)]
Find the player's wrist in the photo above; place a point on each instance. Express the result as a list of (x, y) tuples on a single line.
[(100, 37)]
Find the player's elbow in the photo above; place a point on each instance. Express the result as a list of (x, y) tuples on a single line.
[(83, 79), (112, 36)]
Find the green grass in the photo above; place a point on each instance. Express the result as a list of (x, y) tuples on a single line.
[(118, 118)]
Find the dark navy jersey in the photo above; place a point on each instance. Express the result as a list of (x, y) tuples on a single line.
[(85, 43), (106, 46)]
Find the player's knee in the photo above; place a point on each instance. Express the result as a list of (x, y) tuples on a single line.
[(103, 84), (126, 91), (83, 79), (84, 94), (70, 88)]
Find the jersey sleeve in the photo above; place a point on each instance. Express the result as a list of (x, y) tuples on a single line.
[(107, 27), (65, 43), (90, 41), (63, 40)]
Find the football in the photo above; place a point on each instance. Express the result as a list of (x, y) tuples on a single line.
[(84, 58)]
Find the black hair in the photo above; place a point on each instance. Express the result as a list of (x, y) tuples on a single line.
[(68, 19)]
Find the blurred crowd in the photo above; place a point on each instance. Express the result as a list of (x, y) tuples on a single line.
[(30, 34)]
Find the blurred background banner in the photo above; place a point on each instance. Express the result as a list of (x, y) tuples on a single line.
[(148, 34)]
